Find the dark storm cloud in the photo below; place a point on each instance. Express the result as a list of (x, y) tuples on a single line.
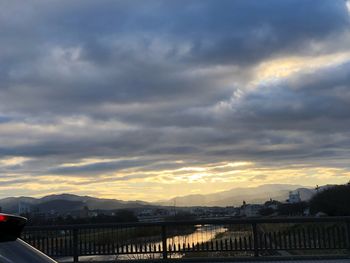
[(118, 51), (4, 119), (307, 102), (15, 182), (167, 71)]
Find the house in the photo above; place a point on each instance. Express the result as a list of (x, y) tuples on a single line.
[(272, 204), (251, 210), (294, 197)]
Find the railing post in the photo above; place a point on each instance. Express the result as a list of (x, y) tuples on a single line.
[(75, 245), (165, 246), (348, 234), (255, 239)]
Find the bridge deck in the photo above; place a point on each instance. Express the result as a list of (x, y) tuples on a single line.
[(109, 259), (302, 261)]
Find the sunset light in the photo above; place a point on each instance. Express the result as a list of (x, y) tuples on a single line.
[(136, 101)]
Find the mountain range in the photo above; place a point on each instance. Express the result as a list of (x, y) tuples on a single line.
[(66, 203), (232, 197), (236, 196)]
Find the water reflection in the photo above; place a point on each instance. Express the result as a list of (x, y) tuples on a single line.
[(202, 234)]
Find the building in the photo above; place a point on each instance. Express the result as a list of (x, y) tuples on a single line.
[(24, 208), (251, 210), (272, 204), (294, 197)]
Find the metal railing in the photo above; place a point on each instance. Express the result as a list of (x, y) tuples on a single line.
[(203, 238)]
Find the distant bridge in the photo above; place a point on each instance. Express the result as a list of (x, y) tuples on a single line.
[(205, 240)]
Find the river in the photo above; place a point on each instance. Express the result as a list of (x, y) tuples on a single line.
[(203, 233)]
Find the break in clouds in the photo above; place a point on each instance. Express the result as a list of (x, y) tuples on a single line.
[(146, 95)]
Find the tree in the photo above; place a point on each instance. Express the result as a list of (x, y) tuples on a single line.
[(125, 216), (181, 216), (296, 209), (333, 201), (266, 211)]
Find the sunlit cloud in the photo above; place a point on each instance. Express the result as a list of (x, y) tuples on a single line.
[(13, 161), (278, 69), (209, 181), (88, 161)]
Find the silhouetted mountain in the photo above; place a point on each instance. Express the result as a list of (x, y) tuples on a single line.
[(60, 206), (69, 202), (236, 196), (94, 202), (11, 204), (65, 203)]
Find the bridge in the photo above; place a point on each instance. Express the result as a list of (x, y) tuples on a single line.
[(303, 239)]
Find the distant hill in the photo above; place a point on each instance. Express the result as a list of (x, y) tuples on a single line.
[(10, 204), (65, 203), (60, 206), (236, 196)]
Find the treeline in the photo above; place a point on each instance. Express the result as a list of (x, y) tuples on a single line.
[(285, 209), (334, 201), (121, 216)]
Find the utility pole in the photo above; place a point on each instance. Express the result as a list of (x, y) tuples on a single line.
[(175, 207)]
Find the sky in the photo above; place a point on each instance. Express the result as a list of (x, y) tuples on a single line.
[(154, 99)]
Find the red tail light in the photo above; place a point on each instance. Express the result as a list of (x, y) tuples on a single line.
[(3, 218)]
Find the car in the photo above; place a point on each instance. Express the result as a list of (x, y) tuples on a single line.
[(12, 248)]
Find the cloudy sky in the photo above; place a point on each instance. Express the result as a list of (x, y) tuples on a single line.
[(153, 99)]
